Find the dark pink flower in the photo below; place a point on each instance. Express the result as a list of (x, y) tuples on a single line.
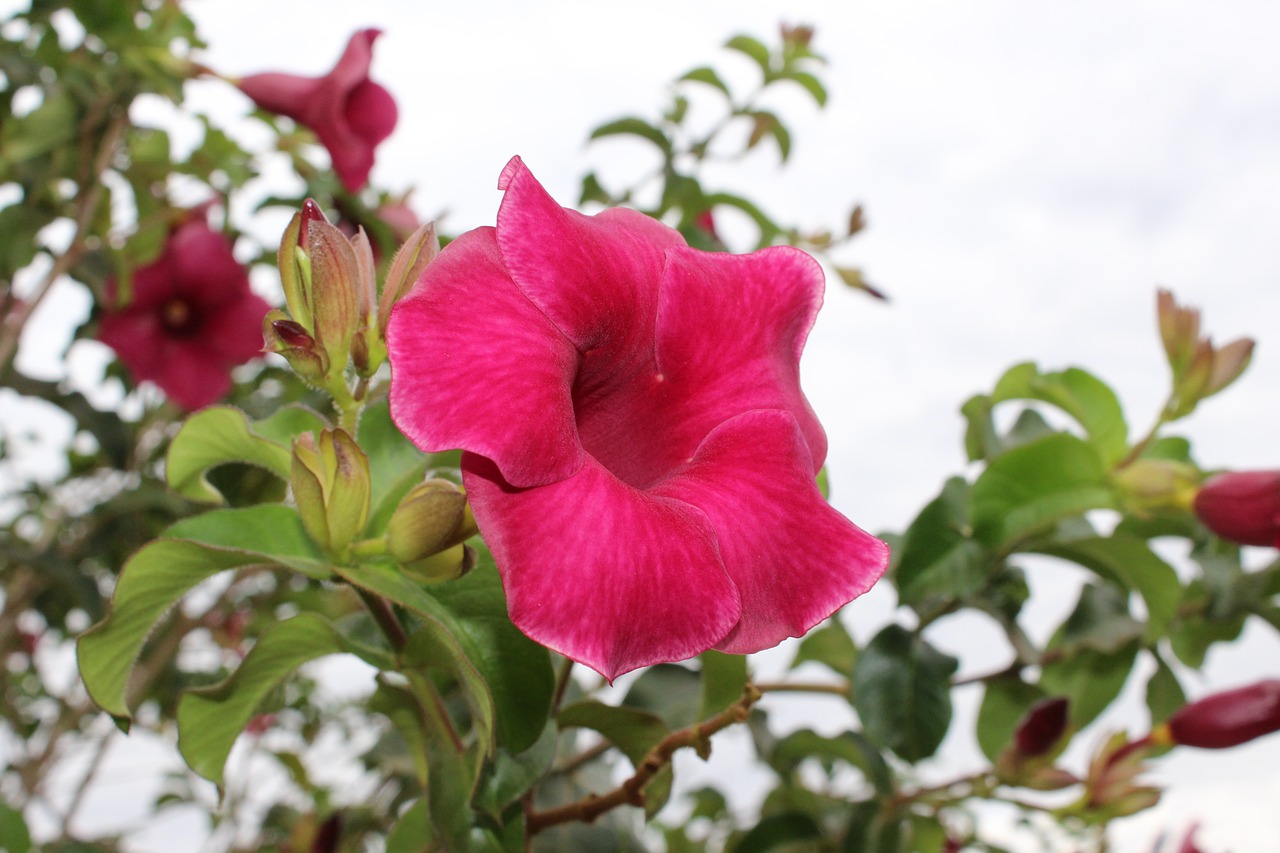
[(189, 319), (1243, 506), (639, 455), (348, 112), (1226, 719)]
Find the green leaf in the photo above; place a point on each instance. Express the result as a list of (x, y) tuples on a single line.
[(1030, 488), (723, 679), (753, 48), (633, 731), (902, 692), (434, 649), (517, 670), (830, 645), (1100, 622), (848, 747), (412, 831), (222, 434), (871, 830), (395, 464), (671, 691), (939, 560), (1078, 393), (811, 84), (14, 836), (1004, 703), (1089, 679), (1129, 563), (769, 230), (1164, 693), (632, 126), (780, 831), (211, 718), (50, 125), (157, 576), (511, 775), (706, 75)]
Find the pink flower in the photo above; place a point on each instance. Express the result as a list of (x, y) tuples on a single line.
[(348, 112), (639, 455), (1243, 506), (191, 317)]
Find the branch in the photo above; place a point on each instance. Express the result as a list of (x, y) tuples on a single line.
[(631, 791)]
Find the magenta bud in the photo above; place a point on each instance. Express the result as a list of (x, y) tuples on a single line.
[(1225, 719), (311, 212), (1042, 727), (293, 334), (1243, 506)]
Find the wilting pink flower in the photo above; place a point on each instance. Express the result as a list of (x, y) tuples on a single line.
[(190, 317), (1226, 719), (348, 112), (639, 455), (1243, 506)]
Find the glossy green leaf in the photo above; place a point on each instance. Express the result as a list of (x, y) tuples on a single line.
[(453, 774), (1004, 703), (830, 645), (517, 670), (939, 559), (706, 75), (811, 84), (902, 692), (1089, 679), (156, 577), (511, 775), (221, 434), (633, 731), (211, 718), (847, 747), (632, 126), (1078, 393), (395, 464), (1128, 562), (1030, 488), (434, 649), (723, 679)]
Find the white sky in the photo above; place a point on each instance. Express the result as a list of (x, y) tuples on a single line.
[(1031, 173)]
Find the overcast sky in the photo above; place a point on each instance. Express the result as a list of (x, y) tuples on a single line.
[(1031, 173)]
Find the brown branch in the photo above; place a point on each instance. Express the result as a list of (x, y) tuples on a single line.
[(86, 204), (631, 791), (844, 689)]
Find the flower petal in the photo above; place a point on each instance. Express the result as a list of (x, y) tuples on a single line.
[(497, 384), (793, 559), (203, 267), (234, 330), (371, 113), (596, 277), (761, 306), (632, 580), (190, 374)]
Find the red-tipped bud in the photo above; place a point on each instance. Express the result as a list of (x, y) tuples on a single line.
[(311, 212), (1225, 719), (1042, 727), (1243, 506), (292, 334)]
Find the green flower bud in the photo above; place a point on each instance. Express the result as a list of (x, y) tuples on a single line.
[(431, 518), (447, 565), (1152, 484), (331, 485)]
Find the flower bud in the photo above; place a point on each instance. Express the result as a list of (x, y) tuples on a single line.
[(288, 338), (1225, 719), (1042, 727), (1199, 368), (432, 517), (1152, 484), (407, 265), (449, 564), (331, 486), (1243, 506)]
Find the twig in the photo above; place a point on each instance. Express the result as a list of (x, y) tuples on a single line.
[(631, 791), (842, 689)]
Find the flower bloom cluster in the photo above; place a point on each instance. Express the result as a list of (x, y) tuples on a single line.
[(638, 453), (189, 317), (350, 113), (1243, 506)]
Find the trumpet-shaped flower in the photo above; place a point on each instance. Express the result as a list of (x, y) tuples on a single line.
[(638, 453), (348, 112), (191, 317)]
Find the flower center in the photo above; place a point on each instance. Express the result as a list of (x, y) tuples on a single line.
[(178, 318)]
